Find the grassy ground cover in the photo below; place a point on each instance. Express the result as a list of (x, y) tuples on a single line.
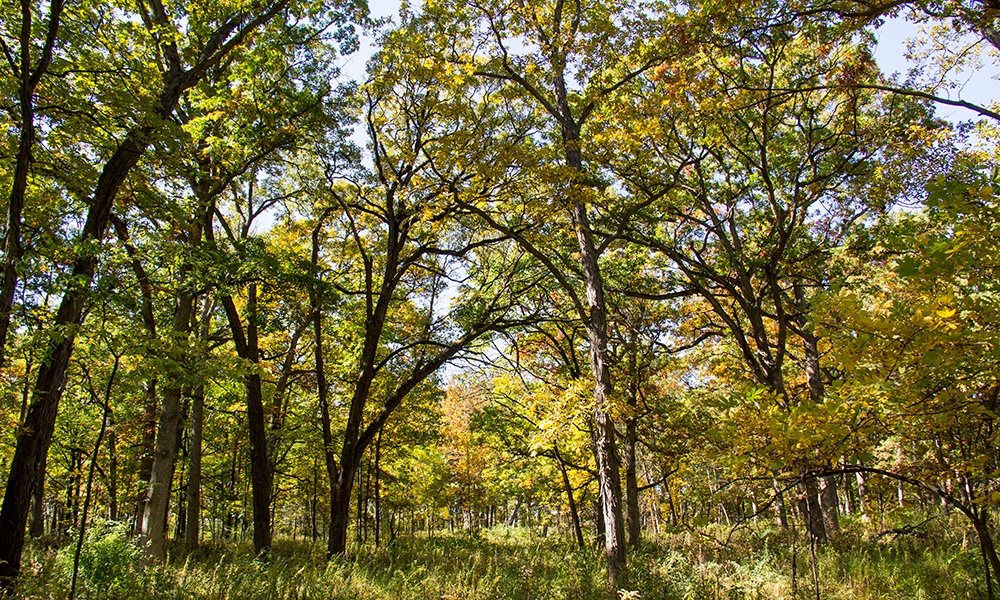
[(711, 564)]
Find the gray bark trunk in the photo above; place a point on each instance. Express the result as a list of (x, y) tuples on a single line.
[(152, 535), (830, 504)]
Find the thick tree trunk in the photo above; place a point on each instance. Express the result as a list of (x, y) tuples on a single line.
[(146, 451), (152, 534), (38, 505), (827, 505), (261, 469), (153, 530), (830, 504), (34, 438), (340, 507)]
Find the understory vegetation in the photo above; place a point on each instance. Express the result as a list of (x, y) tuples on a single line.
[(757, 561)]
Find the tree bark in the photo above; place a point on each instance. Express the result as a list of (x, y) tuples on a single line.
[(38, 505), (192, 533), (608, 469), (573, 512), (632, 516), (152, 534), (812, 514), (261, 469), (830, 504), (147, 449)]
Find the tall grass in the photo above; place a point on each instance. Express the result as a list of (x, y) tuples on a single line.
[(711, 563)]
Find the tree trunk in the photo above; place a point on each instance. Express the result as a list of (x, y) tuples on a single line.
[(988, 549), (632, 516), (28, 81), (261, 469), (608, 478), (573, 512), (340, 506), (512, 518), (830, 504), (809, 505), (146, 451), (780, 513), (90, 482), (378, 493), (154, 519), (862, 494), (112, 469), (38, 505), (192, 534), (36, 435)]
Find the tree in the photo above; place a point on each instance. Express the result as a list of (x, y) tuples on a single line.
[(914, 340), (576, 56), (401, 236), (29, 73), (761, 170), (208, 38)]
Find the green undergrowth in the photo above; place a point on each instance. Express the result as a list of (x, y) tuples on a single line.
[(711, 563)]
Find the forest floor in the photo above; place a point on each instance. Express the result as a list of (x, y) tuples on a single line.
[(939, 562)]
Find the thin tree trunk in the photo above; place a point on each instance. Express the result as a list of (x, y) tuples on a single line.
[(90, 476), (29, 77), (862, 494), (632, 516), (193, 531), (512, 519), (112, 469), (809, 505), (779, 504), (261, 469), (192, 534), (573, 512), (378, 493)]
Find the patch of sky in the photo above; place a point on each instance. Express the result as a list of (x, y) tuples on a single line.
[(904, 47)]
